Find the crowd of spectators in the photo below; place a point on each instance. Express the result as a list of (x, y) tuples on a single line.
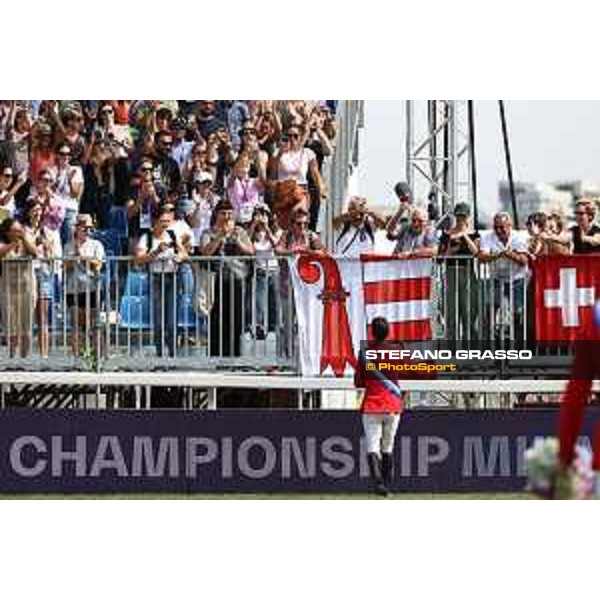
[(470, 299), (177, 179), (171, 179)]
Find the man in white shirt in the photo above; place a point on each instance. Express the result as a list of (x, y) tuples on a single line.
[(506, 252), (163, 253), (356, 229), (181, 151)]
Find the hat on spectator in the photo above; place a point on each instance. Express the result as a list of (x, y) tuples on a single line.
[(203, 176), (262, 207), (462, 209), (84, 219)]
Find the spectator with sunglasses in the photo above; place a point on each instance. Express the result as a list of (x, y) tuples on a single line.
[(294, 161), (250, 150), (145, 197), (118, 136), (298, 237), (69, 187), (166, 169)]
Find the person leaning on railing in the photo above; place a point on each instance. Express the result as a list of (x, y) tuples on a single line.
[(459, 245), (162, 251), (415, 239), (227, 241), (17, 286), (506, 252)]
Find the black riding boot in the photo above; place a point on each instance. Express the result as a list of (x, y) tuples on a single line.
[(387, 468), (375, 471)]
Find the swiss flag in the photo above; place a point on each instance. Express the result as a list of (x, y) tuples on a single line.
[(566, 290)]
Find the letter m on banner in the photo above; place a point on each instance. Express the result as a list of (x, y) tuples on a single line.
[(337, 298), (566, 291)]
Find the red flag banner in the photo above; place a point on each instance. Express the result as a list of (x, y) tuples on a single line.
[(566, 290)]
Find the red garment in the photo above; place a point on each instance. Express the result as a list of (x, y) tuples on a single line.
[(378, 399), (585, 368), (40, 160)]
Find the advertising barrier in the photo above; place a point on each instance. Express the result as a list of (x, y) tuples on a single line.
[(261, 452)]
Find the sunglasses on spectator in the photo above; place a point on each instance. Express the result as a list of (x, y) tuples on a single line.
[(580, 212), (64, 153), (107, 111), (302, 223), (7, 174), (146, 169), (293, 136)]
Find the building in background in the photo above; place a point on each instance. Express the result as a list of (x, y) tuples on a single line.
[(546, 197)]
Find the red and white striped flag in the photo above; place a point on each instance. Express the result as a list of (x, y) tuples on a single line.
[(336, 300)]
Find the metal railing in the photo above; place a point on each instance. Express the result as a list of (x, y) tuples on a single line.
[(205, 313), (210, 313)]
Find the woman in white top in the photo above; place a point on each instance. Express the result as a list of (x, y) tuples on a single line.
[(294, 162), (204, 201), (47, 243), (264, 296), (69, 186)]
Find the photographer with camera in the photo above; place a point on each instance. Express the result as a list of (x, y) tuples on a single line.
[(162, 252), (357, 228), (229, 243), (264, 297)]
